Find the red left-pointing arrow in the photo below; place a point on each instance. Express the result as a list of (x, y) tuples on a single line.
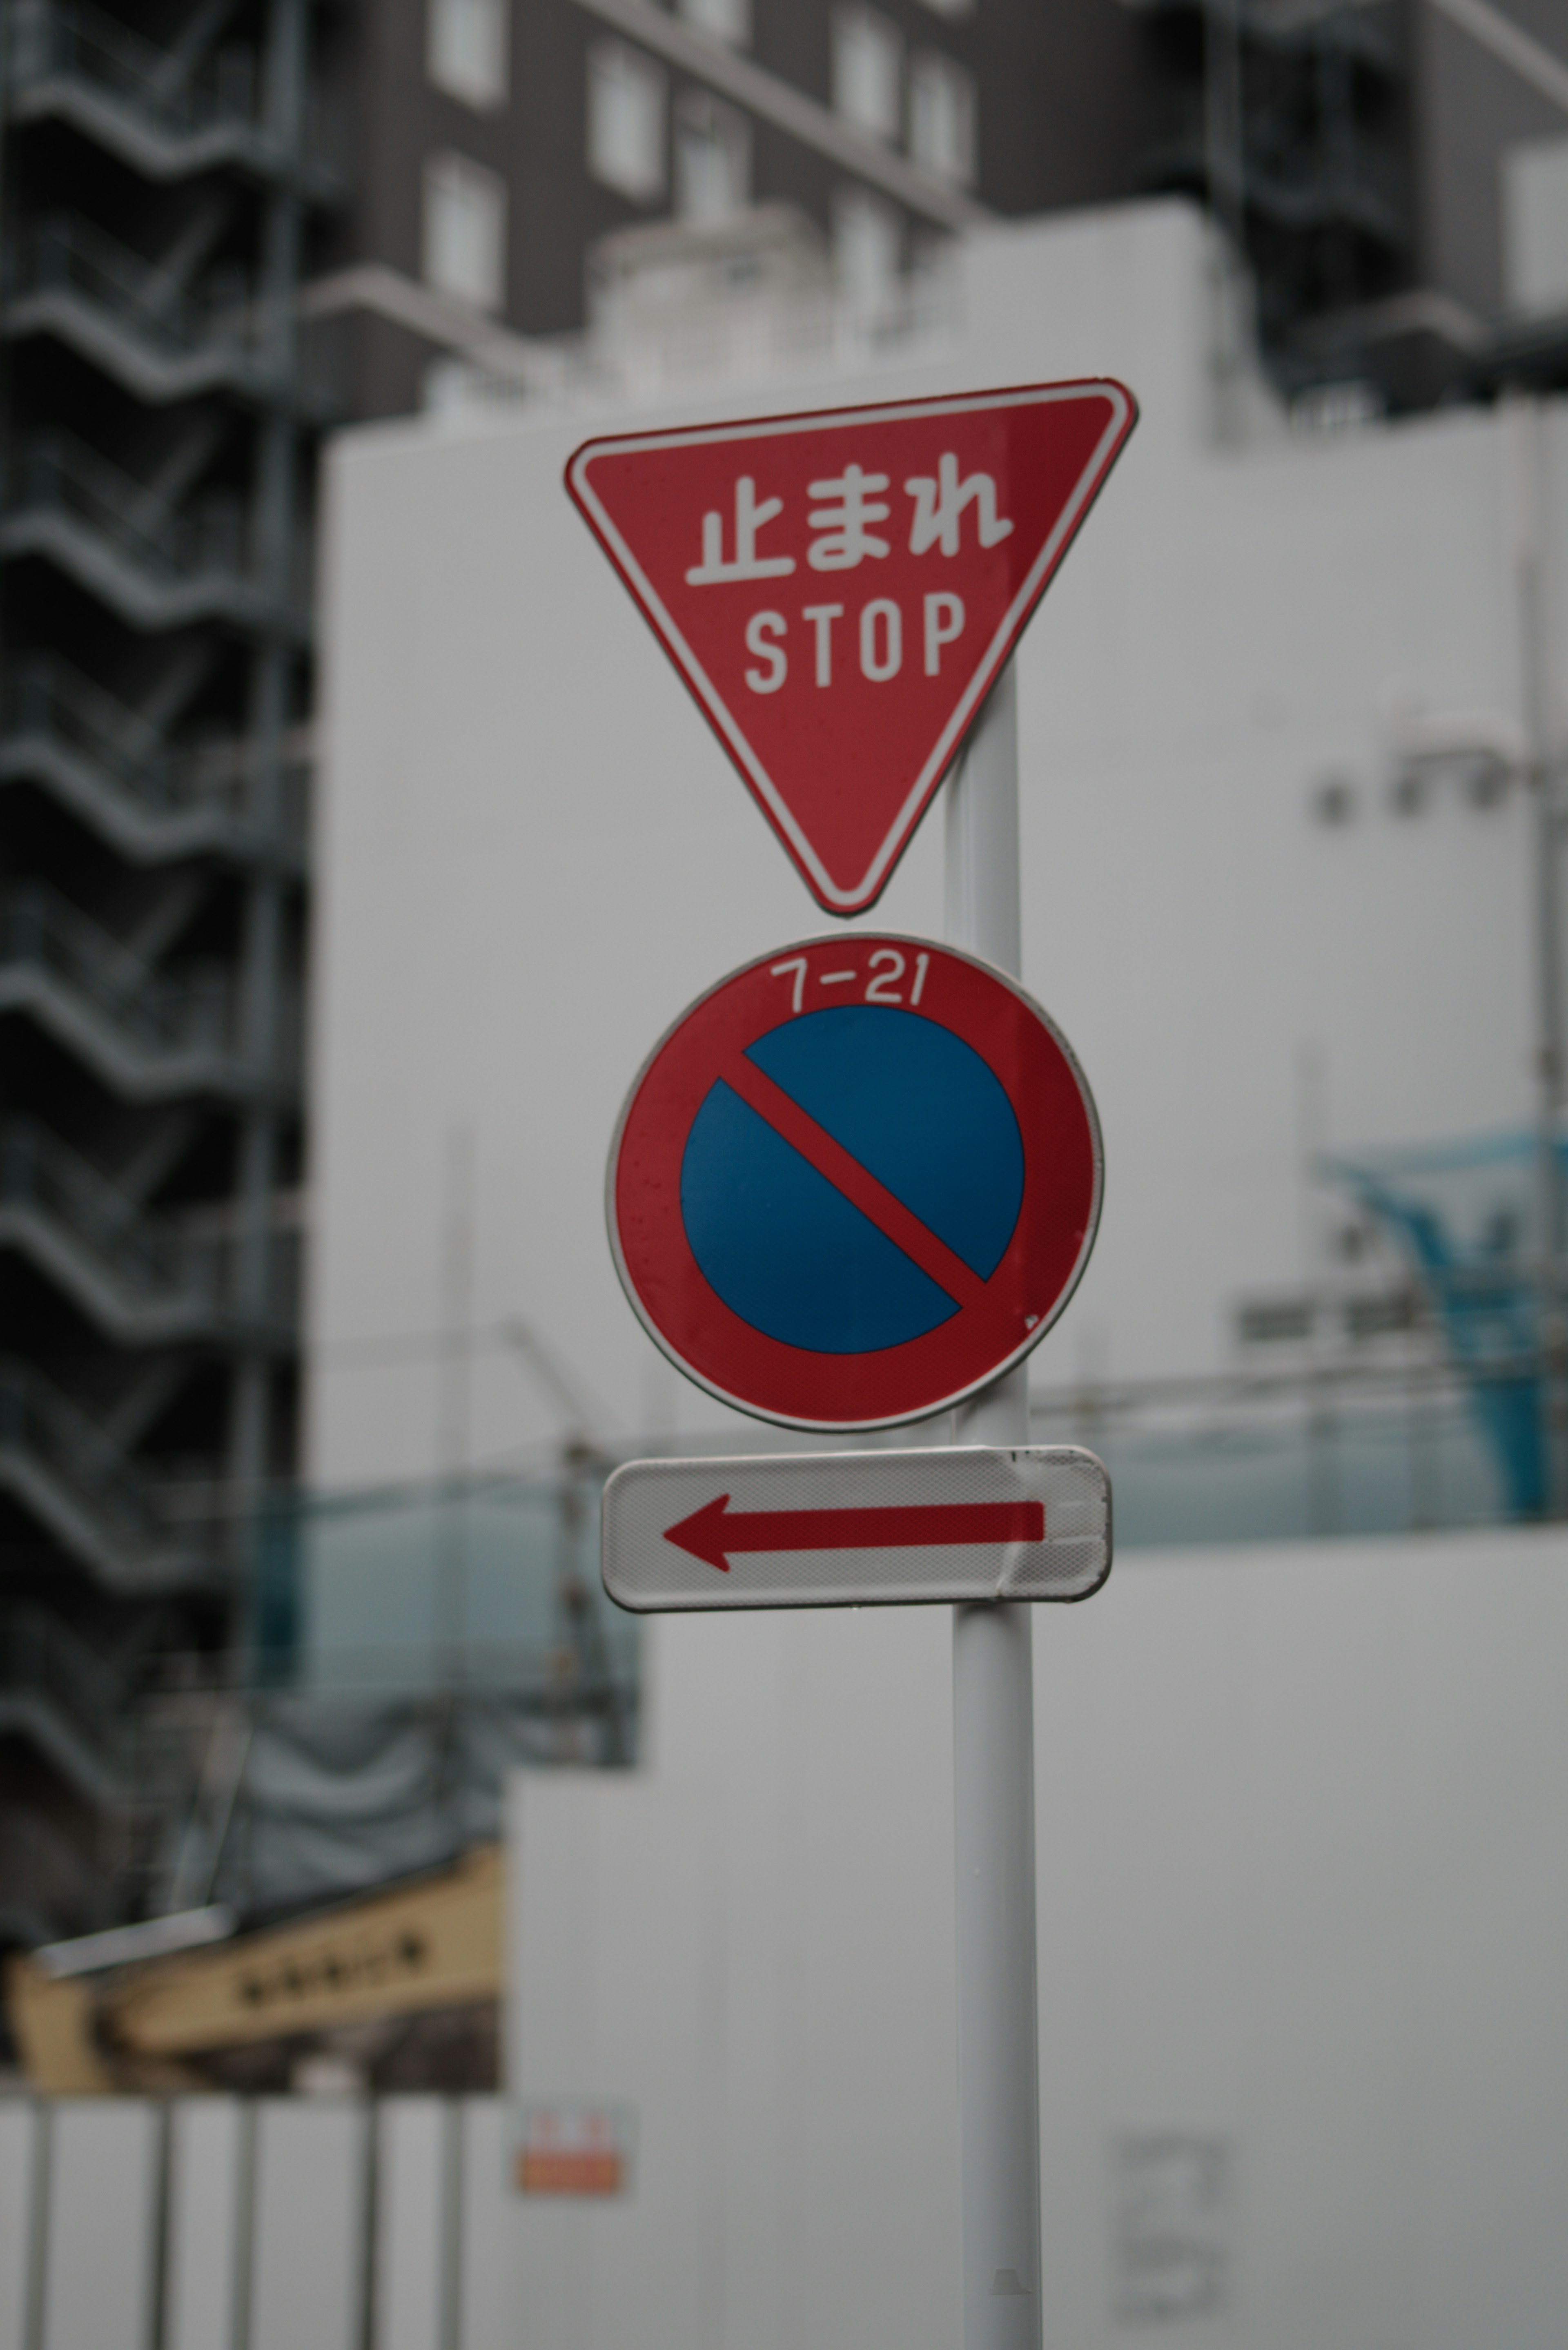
[(714, 1533)]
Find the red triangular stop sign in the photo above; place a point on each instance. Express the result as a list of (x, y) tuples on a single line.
[(839, 590)]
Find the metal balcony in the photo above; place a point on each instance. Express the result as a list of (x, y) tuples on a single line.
[(76, 1481), (146, 104), (143, 1280), (1290, 191), (160, 340), (180, 132), (148, 1035), (1354, 29), (63, 1698), (116, 540), (49, 1886), (148, 799)]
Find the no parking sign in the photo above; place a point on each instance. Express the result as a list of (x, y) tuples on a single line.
[(855, 1182)]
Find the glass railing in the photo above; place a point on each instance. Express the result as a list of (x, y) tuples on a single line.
[(1321, 1464)]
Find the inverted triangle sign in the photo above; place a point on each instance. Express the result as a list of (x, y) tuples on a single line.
[(840, 590)]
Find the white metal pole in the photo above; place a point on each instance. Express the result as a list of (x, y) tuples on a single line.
[(1531, 545), (993, 1715)]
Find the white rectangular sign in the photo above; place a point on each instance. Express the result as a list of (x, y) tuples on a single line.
[(857, 1529)]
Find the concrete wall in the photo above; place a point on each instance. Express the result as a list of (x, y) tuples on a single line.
[(751, 1941), (532, 852), (1302, 1933)]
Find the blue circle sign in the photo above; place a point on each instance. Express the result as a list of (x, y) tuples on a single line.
[(855, 1183), (831, 1279)]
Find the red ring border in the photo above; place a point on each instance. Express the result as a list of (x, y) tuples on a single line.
[(794, 1387)]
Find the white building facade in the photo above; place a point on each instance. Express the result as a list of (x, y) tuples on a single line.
[(1262, 947)]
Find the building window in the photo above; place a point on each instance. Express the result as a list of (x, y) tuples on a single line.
[(729, 21), (867, 247), (712, 159), (626, 121), (466, 50), (465, 232), (941, 117), (867, 71)]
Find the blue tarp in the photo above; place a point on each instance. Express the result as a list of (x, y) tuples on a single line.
[(1465, 1214)]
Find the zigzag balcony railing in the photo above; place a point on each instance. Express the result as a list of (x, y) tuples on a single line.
[(54, 39), (172, 339), (155, 1263), (49, 1887), (1302, 32), (67, 1702), (160, 114), (38, 1421), (53, 473), (161, 1012), (1286, 183), (66, 254), (38, 1655), (47, 704), (104, 1509)]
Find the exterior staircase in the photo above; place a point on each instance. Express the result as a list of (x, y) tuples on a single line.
[(143, 1281), (57, 1691), (102, 1509), (165, 119), (115, 537), (151, 802), (160, 339), (149, 1034), (159, 196)]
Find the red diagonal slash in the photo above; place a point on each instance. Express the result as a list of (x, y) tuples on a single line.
[(714, 1531), (858, 1185)]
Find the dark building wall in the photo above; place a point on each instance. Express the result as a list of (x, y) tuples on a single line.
[(1068, 100), (1071, 99), (1086, 101)]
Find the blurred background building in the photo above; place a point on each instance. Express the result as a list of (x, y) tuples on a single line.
[(228, 229)]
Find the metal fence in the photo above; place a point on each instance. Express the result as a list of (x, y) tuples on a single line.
[(287, 2223)]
